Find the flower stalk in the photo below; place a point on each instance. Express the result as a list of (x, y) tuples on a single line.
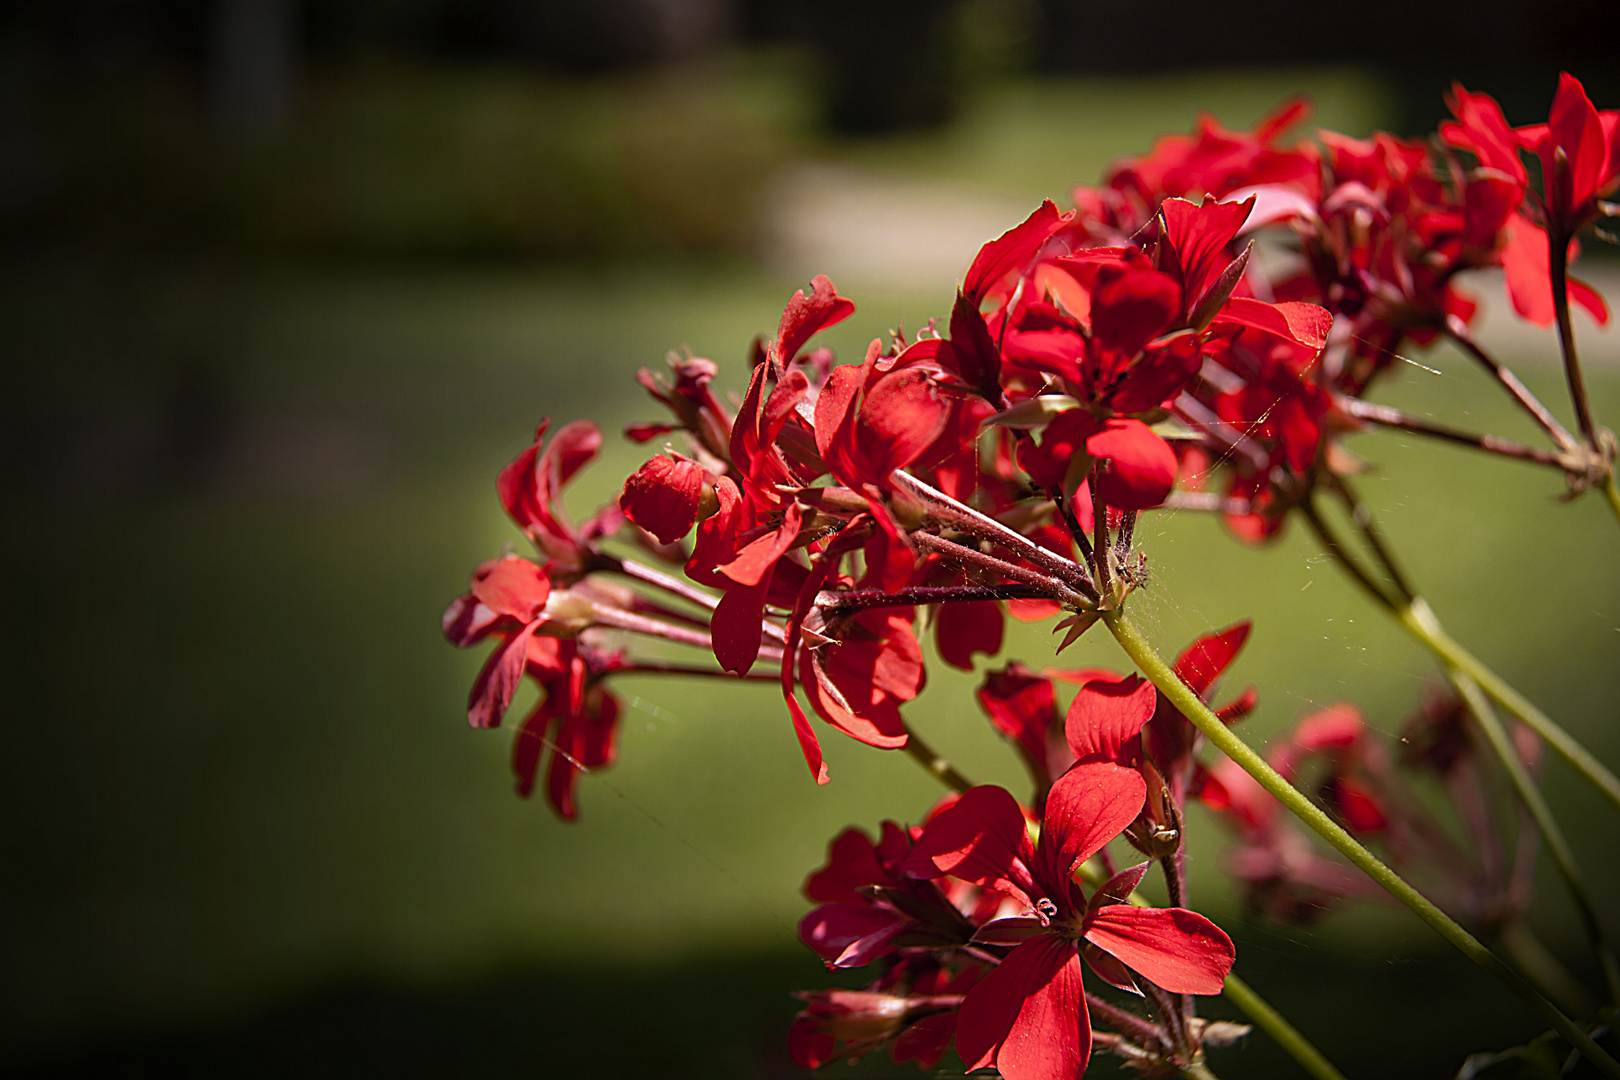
[(1193, 708)]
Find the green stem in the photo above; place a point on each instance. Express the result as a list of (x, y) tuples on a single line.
[(1496, 734), (1611, 492), (1270, 1021), (1522, 946), (1197, 1070), (938, 767), (1193, 708), (1420, 620)]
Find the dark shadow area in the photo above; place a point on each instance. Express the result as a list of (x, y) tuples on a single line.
[(728, 1018)]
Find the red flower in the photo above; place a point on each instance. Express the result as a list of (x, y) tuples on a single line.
[(868, 907), (577, 720), (531, 486), (1028, 1017), (507, 598), (1579, 150)]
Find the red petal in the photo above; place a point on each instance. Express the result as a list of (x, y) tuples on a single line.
[(1337, 727), (925, 1040), (901, 415), (1526, 270), (981, 839), (498, 681), (964, 629), (808, 743), (1088, 806), (1106, 714), (1028, 1017), (1202, 662), (1573, 126), (734, 627), (1129, 310), (1199, 235), (512, 586), (754, 562), (1590, 299), (850, 935), (1011, 251), (571, 449), (1304, 323), (872, 718), (1023, 706), (583, 741), (1177, 949), (806, 315), (1142, 467), (973, 353), (808, 1045), (1117, 889)]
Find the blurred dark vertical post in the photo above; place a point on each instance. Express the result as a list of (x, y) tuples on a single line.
[(253, 65), (888, 65)]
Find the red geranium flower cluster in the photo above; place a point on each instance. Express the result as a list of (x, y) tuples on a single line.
[(819, 528)]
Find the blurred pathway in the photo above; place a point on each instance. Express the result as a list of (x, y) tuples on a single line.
[(875, 232)]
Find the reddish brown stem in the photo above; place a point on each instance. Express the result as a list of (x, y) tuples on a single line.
[(977, 559), (859, 599), (1457, 330), (1386, 416), (654, 667), (620, 619), (1144, 1033), (966, 519), (1558, 250)]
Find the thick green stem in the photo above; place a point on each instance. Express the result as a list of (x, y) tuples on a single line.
[(1611, 492), (1490, 725), (1193, 708), (1420, 620), (1270, 1021)]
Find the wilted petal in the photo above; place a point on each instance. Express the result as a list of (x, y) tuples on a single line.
[(1177, 949)]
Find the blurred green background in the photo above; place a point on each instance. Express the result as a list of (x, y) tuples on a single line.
[(261, 373)]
